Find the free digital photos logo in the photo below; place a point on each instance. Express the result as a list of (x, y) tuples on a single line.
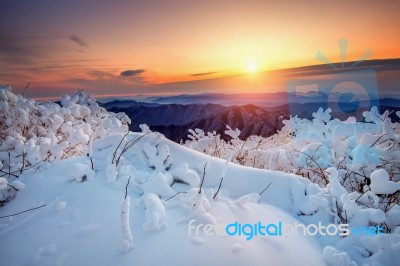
[(347, 88), (279, 229)]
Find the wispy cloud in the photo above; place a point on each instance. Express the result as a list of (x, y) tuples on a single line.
[(131, 73), (202, 74), (101, 75), (78, 40)]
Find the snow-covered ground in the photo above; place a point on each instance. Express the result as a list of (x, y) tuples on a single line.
[(81, 223), (127, 211)]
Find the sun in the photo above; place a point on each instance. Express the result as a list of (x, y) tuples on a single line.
[(252, 67)]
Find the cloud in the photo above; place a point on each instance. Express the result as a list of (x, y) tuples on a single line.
[(101, 75), (102, 80), (78, 40), (131, 73), (202, 74)]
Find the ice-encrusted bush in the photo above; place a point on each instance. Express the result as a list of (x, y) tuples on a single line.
[(32, 133), (354, 168), (357, 164), (307, 147)]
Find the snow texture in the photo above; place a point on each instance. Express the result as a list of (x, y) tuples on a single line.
[(155, 212), (324, 171)]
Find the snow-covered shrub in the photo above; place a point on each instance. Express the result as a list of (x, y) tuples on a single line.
[(80, 172), (355, 166), (164, 171), (183, 173), (307, 147), (155, 212), (34, 132), (334, 257)]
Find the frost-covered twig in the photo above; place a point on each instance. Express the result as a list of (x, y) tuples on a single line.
[(127, 239)]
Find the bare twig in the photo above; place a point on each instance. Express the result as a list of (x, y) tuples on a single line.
[(129, 144), (373, 144), (219, 187), (175, 195), (316, 150), (362, 195), (202, 180), (91, 162), (320, 169), (338, 167), (266, 188), (126, 187), (23, 211), (9, 164), (8, 173), (11, 186), (115, 152), (70, 149), (23, 92)]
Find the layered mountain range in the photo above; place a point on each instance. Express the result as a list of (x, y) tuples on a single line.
[(174, 119)]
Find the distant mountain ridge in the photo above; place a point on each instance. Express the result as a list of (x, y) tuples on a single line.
[(168, 114), (259, 99), (174, 120)]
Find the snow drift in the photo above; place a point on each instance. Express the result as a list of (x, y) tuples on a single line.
[(128, 198)]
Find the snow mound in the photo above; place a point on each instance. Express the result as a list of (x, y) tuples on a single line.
[(87, 230), (139, 198)]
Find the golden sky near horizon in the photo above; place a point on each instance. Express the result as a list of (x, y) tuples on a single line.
[(129, 47)]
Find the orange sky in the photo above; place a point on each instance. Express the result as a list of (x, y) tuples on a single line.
[(60, 46)]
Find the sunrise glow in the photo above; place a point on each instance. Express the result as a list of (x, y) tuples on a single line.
[(134, 47), (252, 67)]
